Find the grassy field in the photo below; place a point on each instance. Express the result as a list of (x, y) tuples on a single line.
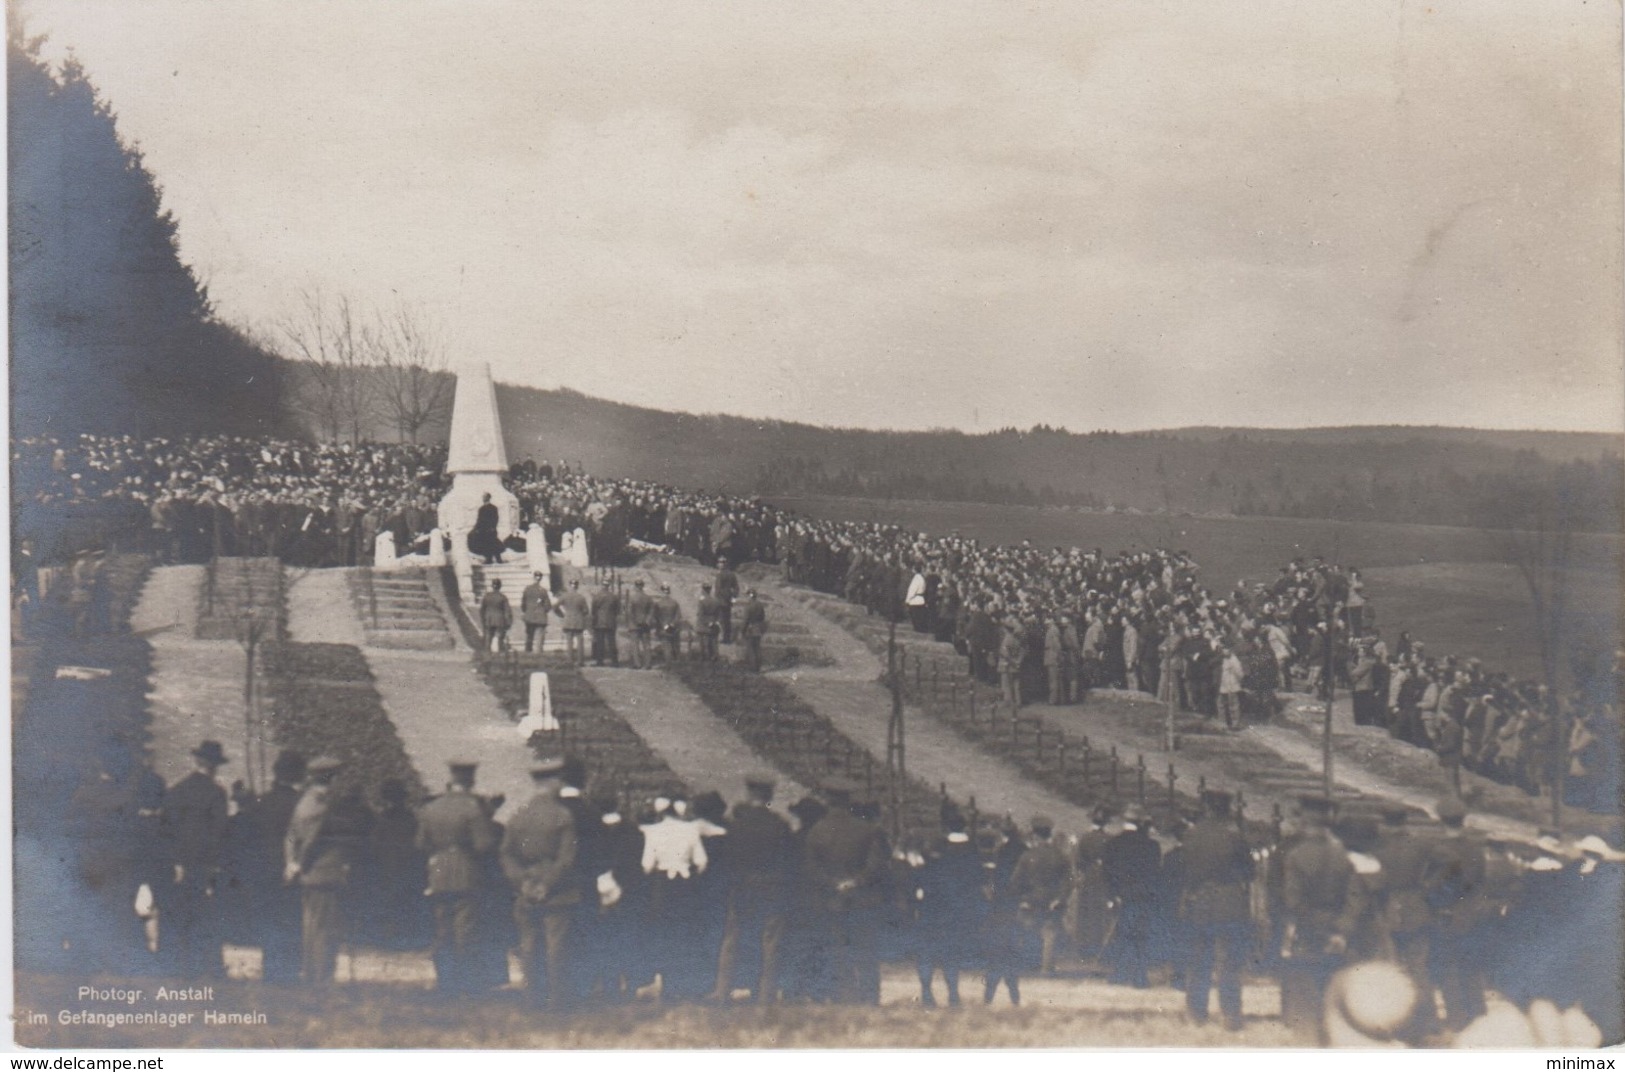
[(1449, 587)]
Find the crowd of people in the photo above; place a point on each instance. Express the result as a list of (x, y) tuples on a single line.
[(606, 901), (1039, 624)]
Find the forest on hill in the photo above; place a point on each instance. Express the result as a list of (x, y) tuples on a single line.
[(111, 331)]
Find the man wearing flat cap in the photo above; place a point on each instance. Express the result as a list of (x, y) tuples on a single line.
[(1317, 883), (456, 833), (539, 857), (325, 837), (763, 852), (1215, 906), (193, 823)]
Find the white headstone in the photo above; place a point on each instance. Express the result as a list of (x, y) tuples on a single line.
[(539, 717), (577, 554), (437, 548), (536, 547), (383, 556)]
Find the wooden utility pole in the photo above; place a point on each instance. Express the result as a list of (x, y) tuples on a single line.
[(896, 768)]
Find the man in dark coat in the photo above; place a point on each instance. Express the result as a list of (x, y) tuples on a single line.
[(762, 853), (640, 616), (535, 607), (1039, 885), (496, 617), (326, 836), (455, 832), (846, 861), (1453, 881), (727, 592), (950, 892), (612, 867), (1319, 904), (1214, 904), (1130, 863), (193, 824), (606, 619), (539, 858), (708, 623), (754, 627), (274, 906), (484, 540)]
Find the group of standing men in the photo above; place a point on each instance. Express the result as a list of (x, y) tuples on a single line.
[(655, 623)]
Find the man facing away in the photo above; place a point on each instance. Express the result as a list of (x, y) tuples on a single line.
[(577, 614), (539, 857), (496, 617), (640, 614), (455, 831), (535, 605)]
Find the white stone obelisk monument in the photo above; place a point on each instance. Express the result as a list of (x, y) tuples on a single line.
[(477, 460)]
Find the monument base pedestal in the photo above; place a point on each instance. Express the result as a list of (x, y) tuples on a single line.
[(460, 509)]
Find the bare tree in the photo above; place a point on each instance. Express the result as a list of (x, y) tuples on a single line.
[(1541, 515), (335, 349), (414, 386)]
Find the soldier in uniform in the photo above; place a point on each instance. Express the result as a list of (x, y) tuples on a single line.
[(606, 615), (496, 617), (727, 592), (455, 832), (847, 860), (762, 854), (193, 822), (1011, 653), (1453, 880), (1039, 886), (539, 858), (708, 623), (535, 605), (669, 620), (1317, 878), (1215, 907), (1401, 911), (755, 628), (325, 836), (577, 615), (640, 614)]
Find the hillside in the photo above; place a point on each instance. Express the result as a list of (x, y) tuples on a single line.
[(1449, 476)]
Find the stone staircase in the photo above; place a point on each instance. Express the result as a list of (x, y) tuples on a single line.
[(397, 611), (515, 578)]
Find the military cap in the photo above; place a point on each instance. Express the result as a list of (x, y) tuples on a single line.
[(458, 765), (325, 764), (761, 780), (550, 767), (665, 587), (706, 587)]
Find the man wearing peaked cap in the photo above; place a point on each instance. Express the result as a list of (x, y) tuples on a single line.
[(1402, 916), (1214, 903), (762, 852), (539, 851), (456, 834), (1454, 888), (1039, 885), (325, 837), (1317, 879)]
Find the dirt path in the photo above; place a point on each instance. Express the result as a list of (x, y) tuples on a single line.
[(320, 611), (196, 688), (700, 748)]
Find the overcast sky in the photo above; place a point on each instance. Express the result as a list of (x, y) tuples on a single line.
[(897, 214)]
